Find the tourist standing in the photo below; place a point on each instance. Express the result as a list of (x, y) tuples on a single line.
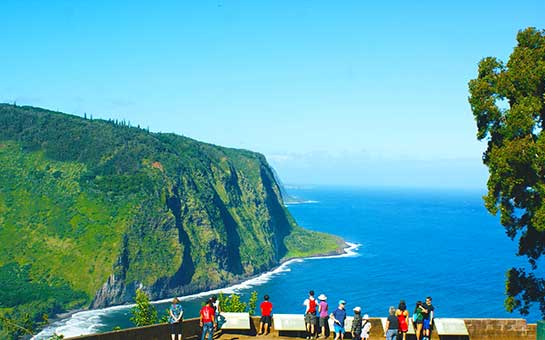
[(323, 313), (266, 311), (366, 328), (310, 314), (338, 317), (175, 314), (220, 320), (215, 305), (356, 324), (428, 318), (418, 318), (403, 319), (207, 320), (392, 325)]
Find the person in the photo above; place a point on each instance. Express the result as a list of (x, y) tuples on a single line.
[(338, 317), (418, 317), (392, 324), (366, 328), (266, 310), (220, 320), (428, 318), (207, 320), (175, 314), (215, 305), (356, 324), (323, 313), (403, 320), (310, 314)]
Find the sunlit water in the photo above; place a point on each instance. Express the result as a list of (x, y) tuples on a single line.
[(410, 244)]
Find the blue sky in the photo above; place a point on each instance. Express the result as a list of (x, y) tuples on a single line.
[(332, 92)]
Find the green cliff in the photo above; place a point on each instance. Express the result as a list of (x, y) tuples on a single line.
[(91, 210)]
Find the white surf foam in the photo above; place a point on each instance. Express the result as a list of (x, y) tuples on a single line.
[(88, 322), (301, 202)]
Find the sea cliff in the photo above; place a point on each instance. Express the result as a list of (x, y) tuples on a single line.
[(91, 210)]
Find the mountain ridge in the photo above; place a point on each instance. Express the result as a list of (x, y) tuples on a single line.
[(105, 208)]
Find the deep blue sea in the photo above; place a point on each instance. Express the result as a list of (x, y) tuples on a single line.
[(411, 243)]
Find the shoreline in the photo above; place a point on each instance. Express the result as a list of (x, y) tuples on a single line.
[(345, 249)]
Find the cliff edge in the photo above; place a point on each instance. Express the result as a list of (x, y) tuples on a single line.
[(91, 210)]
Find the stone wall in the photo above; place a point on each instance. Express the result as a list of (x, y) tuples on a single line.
[(500, 329), (479, 329)]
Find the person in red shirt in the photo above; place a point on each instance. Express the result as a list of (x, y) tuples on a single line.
[(266, 311), (207, 320)]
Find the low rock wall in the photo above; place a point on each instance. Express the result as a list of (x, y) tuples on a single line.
[(479, 329), (500, 329)]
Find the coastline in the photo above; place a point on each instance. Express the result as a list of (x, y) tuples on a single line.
[(63, 320)]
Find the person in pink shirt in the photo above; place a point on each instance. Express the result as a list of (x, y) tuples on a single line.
[(323, 313)]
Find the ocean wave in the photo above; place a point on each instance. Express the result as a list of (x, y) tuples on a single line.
[(287, 204), (88, 322)]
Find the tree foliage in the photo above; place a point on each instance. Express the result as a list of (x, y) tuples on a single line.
[(508, 103), (144, 313), (233, 303)]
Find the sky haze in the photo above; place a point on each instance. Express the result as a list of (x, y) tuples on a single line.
[(334, 93)]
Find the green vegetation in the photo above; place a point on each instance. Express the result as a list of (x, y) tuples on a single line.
[(92, 209), (304, 243), (144, 313), (508, 102), (233, 303)]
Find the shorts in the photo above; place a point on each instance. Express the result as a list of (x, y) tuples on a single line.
[(176, 328), (427, 324), (266, 319), (418, 322), (338, 329), (310, 318), (323, 321)]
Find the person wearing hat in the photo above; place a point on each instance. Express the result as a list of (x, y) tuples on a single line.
[(366, 328), (323, 313), (338, 317), (356, 324)]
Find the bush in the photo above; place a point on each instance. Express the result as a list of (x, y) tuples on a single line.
[(233, 303)]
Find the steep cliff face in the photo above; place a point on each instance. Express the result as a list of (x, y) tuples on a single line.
[(105, 208), (230, 224)]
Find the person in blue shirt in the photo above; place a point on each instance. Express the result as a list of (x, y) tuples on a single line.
[(338, 317), (175, 314)]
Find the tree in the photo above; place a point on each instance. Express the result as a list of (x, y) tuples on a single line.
[(233, 303), (144, 313), (508, 103)]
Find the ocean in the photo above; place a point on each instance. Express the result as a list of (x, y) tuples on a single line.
[(405, 244)]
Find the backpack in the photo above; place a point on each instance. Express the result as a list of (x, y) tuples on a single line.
[(312, 306)]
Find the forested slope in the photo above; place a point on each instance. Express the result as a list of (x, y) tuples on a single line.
[(91, 210)]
